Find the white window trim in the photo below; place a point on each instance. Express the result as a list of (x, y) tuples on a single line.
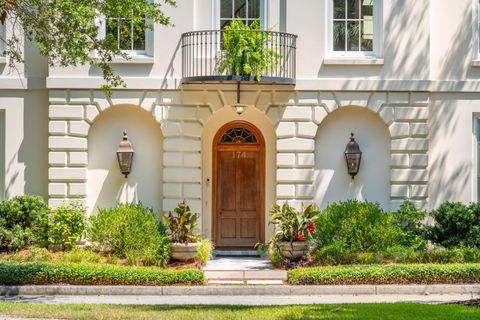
[(475, 157), (355, 57), (3, 32), (216, 14), (475, 33), (136, 56)]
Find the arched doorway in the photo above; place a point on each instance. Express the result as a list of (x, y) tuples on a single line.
[(238, 186)]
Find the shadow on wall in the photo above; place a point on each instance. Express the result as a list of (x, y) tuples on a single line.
[(106, 186), (451, 147), (331, 178)]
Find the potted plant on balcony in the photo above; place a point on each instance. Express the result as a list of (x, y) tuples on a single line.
[(293, 228), (181, 224), (247, 51)]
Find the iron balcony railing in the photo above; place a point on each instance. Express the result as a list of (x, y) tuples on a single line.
[(250, 55)]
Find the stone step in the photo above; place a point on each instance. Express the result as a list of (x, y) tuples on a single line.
[(245, 275), (246, 282), (235, 253)]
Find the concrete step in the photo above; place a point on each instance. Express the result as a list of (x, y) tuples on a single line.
[(238, 263), (245, 275), (235, 253)]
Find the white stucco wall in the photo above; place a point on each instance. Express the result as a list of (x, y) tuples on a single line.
[(452, 148), (331, 178), (106, 186), (24, 165)]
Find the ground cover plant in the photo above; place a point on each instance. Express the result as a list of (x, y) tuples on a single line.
[(15, 273), (386, 274), (387, 311)]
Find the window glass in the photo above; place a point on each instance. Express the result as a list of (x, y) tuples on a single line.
[(127, 34), (245, 10), (353, 29)]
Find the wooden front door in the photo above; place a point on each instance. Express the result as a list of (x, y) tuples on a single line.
[(239, 180)]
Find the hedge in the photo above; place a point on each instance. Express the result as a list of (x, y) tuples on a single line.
[(386, 274), (14, 273)]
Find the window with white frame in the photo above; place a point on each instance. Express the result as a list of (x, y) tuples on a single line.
[(127, 34), (3, 35), (354, 27), (245, 10), (130, 36), (476, 29)]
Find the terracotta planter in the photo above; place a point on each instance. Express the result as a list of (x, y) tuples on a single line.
[(293, 250), (185, 251)]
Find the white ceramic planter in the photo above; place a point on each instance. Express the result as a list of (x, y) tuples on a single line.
[(293, 250), (185, 251)]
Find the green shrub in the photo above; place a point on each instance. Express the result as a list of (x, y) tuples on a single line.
[(23, 223), (66, 225), (386, 274), (133, 232), (360, 226), (82, 256), (409, 218), (402, 254), (456, 225), (14, 273), (443, 255), (335, 253), (205, 251), (471, 254)]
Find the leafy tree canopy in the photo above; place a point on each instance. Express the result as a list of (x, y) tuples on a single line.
[(67, 31)]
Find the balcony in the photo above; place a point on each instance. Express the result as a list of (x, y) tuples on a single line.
[(249, 56)]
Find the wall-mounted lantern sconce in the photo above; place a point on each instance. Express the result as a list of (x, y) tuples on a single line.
[(353, 156), (239, 108), (125, 155)]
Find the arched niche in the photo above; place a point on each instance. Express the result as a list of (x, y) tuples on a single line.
[(106, 186)]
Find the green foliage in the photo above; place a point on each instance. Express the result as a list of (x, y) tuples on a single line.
[(410, 219), (456, 225), (82, 256), (66, 224), (133, 232), (290, 225), (205, 251), (23, 223), (360, 226), (247, 51), (386, 274), (14, 273), (181, 224), (293, 225), (67, 33), (335, 253)]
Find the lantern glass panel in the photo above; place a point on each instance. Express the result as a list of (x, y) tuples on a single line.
[(125, 161)]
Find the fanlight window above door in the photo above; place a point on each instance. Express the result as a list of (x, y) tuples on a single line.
[(238, 135)]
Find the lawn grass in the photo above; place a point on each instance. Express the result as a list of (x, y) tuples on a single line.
[(392, 311)]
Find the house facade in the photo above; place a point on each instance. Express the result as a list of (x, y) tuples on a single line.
[(403, 76)]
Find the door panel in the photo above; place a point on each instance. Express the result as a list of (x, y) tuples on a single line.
[(238, 200)]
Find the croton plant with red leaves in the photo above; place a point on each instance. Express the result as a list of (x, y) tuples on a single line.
[(293, 225)]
